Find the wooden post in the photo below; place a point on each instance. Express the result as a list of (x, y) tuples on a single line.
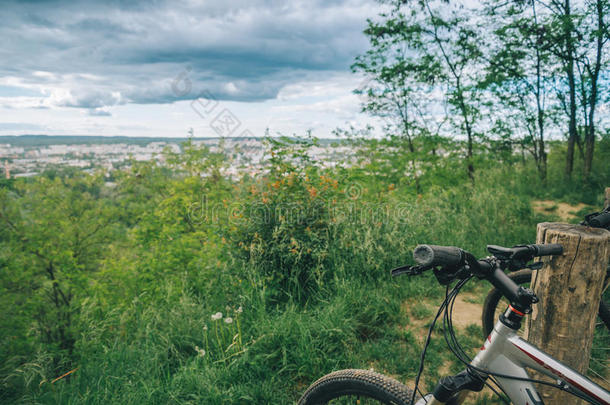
[(607, 199), (569, 288)]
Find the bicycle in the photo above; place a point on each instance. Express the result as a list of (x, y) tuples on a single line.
[(503, 358), (521, 274)]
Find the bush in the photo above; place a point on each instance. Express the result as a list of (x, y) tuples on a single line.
[(284, 225)]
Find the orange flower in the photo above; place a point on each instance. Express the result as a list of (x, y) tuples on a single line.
[(312, 192), (391, 187), (276, 185), (265, 200)]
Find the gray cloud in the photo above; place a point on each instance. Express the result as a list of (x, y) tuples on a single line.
[(99, 112), (99, 54), (20, 126)]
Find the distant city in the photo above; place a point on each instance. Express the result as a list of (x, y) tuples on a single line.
[(29, 155)]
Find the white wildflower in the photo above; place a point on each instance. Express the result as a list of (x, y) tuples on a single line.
[(205, 328), (217, 316), (228, 320), (200, 351), (239, 310)]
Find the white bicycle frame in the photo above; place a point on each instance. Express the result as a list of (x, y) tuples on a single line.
[(504, 352)]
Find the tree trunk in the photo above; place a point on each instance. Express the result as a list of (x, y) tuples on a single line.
[(539, 146), (607, 199), (590, 134), (572, 132), (569, 67), (544, 164), (468, 132), (569, 288), (589, 149)]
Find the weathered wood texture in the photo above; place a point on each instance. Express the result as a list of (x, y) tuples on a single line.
[(569, 288)]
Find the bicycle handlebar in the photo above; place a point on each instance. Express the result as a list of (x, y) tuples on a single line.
[(452, 259), (600, 221), (451, 256), (551, 249), (433, 255)]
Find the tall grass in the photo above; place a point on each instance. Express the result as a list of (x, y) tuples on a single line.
[(305, 297)]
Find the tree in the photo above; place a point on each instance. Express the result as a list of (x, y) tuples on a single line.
[(398, 84), (455, 45), (566, 45), (591, 60), (577, 36), (175, 216), (519, 74), (56, 233), (423, 47)]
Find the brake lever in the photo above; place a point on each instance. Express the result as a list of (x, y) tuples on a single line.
[(408, 270), (535, 266)]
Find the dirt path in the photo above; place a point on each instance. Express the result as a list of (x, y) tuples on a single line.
[(466, 311), (564, 211)]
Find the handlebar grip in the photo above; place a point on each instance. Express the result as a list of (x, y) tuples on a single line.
[(600, 221), (432, 255), (550, 249)]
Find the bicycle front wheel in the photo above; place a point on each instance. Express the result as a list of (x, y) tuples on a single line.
[(356, 387)]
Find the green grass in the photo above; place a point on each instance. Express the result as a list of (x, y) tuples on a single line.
[(315, 296)]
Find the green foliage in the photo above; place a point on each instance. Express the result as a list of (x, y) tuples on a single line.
[(54, 228), (285, 224), (422, 71), (297, 257)]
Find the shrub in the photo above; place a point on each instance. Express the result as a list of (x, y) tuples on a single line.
[(285, 222)]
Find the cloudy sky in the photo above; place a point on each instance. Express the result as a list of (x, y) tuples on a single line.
[(158, 68)]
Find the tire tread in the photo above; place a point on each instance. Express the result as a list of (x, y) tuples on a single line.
[(366, 381)]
